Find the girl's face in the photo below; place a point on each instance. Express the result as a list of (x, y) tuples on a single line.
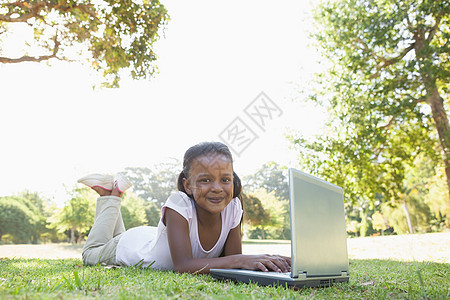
[(210, 182)]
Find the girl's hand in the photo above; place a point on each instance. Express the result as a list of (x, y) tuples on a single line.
[(266, 262)]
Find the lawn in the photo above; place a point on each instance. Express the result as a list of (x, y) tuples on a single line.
[(66, 278), (35, 278)]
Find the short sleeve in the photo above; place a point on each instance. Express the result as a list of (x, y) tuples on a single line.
[(235, 210), (181, 203)]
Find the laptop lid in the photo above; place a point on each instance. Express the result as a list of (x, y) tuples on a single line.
[(318, 233)]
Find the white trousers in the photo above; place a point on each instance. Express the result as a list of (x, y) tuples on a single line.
[(106, 232)]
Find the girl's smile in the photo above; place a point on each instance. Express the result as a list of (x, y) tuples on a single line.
[(210, 182)]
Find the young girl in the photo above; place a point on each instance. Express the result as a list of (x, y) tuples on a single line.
[(199, 228)]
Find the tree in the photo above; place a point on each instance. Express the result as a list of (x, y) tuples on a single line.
[(133, 211), (387, 92), (266, 202), (152, 214), (41, 211), (155, 184), (109, 35), (380, 222), (272, 220), (254, 212), (16, 219), (412, 212), (272, 177), (77, 215), (436, 200), (31, 211)]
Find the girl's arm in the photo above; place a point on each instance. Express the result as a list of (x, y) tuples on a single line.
[(181, 251), (233, 244)]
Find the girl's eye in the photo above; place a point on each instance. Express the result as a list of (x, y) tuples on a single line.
[(204, 180), (226, 180)]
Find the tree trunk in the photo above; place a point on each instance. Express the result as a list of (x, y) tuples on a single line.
[(434, 99), (442, 125), (408, 217), (72, 234)]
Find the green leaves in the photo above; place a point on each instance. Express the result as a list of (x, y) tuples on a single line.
[(388, 60), (110, 35)]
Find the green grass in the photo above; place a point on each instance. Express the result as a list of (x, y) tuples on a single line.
[(66, 278)]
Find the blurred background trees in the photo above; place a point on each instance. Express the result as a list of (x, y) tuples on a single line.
[(266, 203), (28, 218), (23, 218)]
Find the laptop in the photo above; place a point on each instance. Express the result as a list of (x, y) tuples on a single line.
[(319, 255)]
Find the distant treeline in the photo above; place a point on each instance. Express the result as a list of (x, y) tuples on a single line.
[(29, 218)]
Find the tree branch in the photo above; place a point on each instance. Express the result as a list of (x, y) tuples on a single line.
[(385, 62), (388, 125), (22, 18), (359, 40), (25, 58), (35, 9), (32, 11), (391, 61), (434, 29), (380, 149)]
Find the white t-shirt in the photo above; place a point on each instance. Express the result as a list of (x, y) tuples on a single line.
[(145, 244)]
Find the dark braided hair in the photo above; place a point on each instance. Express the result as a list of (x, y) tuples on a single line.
[(207, 148)]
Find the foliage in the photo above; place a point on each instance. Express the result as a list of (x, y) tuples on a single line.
[(387, 92), (274, 221), (254, 212), (369, 279), (152, 214), (109, 35), (24, 217), (133, 211), (379, 222), (42, 210), (77, 215), (424, 210), (436, 200), (16, 219), (397, 219), (266, 203), (272, 177), (415, 201), (156, 184)]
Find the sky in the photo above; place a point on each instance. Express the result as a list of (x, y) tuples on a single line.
[(228, 72)]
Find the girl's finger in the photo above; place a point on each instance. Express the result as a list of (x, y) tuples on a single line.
[(283, 264), (271, 265), (261, 266), (288, 259)]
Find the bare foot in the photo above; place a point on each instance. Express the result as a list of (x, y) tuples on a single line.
[(102, 192), (116, 192)]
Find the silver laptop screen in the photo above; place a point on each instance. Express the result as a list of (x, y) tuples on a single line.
[(318, 234)]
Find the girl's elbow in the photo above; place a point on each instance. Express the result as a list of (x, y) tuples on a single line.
[(181, 268)]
